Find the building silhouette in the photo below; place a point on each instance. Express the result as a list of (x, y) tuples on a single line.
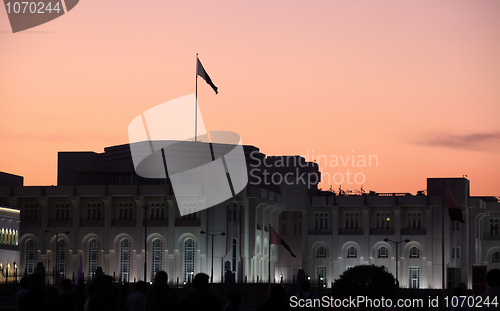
[(99, 200)]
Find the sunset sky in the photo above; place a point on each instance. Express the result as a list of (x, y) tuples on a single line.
[(416, 83)]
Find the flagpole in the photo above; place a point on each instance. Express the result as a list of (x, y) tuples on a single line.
[(196, 101), (442, 243), (269, 263)]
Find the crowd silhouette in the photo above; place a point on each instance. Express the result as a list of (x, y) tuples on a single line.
[(104, 295)]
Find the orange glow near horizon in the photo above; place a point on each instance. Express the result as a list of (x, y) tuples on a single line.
[(416, 83)]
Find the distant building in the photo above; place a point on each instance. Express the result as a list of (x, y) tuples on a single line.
[(9, 242), (99, 200), (9, 228), (339, 232), (7, 179)]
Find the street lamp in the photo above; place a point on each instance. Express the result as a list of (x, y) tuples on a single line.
[(145, 207), (5, 272), (397, 258), (57, 245), (212, 235)]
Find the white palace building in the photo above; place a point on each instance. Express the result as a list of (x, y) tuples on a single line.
[(97, 212)]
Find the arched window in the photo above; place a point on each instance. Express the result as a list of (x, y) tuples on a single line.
[(494, 226), (316, 221), (156, 257), (188, 260), (93, 257), (457, 251), (120, 207), (383, 252), (321, 252), (235, 250), (62, 249), (352, 252), (125, 260), (452, 252), (227, 266), (414, 252), (30, 256), (321, 221), (495, 257)]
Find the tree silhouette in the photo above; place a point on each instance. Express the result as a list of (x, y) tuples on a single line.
[(370, 281)]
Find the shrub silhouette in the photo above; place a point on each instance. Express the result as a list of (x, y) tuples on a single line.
[(370, 281)]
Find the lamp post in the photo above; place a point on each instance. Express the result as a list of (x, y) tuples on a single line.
[(397, 258), (212, 235), (56, 277), (15, 272), (5, 272), (145, 207)]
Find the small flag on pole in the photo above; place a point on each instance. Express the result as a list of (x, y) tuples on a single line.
[(79, 273), (274, 238), (451, 204), (202, 73)]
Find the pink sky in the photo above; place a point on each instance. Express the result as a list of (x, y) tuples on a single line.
[(416, 83)]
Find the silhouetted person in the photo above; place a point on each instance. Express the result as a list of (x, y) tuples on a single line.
[(200, 299), (21, 294), (67, 299), (277, 300), (234, 301), (162, 297), (493, 279), (123, 293), (104, 298), (34, 299), (52, 299), (137, 301), (461, 305), (305, 294)]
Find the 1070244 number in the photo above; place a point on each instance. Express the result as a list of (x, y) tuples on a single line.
[(470, 302), (32, 7)]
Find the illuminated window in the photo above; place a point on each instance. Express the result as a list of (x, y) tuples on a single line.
[(125, 260), (321, 274), (352, 252), (157, 257), (495, 257), (30, 256), (414, 252), (383, 252), (321, 252), (188, 260), (93, 257), (414, 277), (62, 250)]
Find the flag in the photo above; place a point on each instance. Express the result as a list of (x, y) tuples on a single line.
[(79, 289), (79, 273), (274, 238), (451, 204), (200, 71)]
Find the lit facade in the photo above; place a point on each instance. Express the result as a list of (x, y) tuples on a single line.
[(329, 233)]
